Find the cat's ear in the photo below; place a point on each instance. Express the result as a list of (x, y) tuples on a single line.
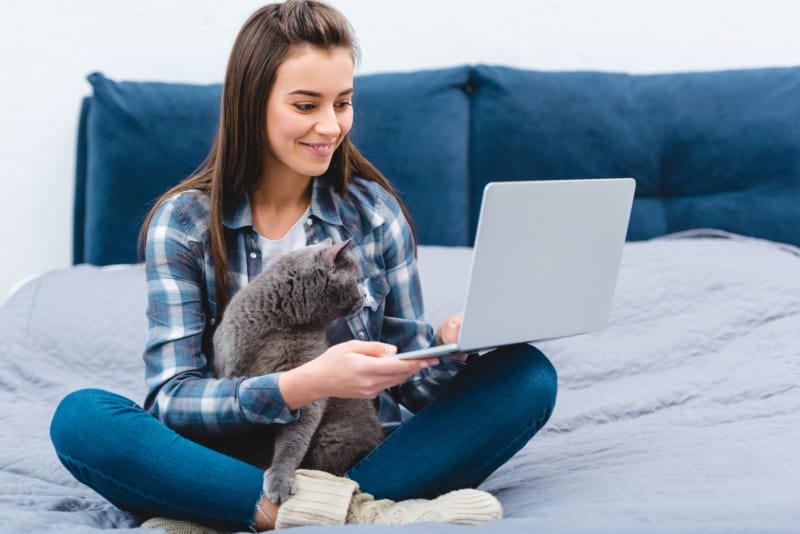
[(330, 254)]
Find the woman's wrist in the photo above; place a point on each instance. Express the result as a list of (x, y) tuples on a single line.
[(299, 387)]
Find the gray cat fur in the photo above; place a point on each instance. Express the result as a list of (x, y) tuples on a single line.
[(278, 322)]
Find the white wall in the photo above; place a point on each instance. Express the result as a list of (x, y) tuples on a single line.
[(47, 48)]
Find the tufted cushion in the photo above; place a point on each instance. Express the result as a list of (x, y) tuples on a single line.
[(716, 149), (137, 139), (414, 127)]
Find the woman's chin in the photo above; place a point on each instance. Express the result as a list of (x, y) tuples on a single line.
[(314, 170)]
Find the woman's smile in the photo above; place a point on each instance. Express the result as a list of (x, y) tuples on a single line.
[(319, 150)]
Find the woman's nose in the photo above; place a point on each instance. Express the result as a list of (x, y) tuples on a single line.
[(328, 124)]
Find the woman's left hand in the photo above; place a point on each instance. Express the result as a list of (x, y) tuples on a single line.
[(448, 333)]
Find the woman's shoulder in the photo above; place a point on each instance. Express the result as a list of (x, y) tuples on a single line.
[(187, 212)]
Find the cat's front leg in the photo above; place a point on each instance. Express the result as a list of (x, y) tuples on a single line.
[(291, 445)]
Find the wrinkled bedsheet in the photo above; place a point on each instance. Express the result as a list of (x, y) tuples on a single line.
[(682, 415)]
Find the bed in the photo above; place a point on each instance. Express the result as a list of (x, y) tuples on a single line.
[(683, 415)]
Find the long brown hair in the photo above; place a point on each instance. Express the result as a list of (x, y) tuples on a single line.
[(234, 164)]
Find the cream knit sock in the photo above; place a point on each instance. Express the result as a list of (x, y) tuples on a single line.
[(174, 526), (325, 499), (321, 499), (464, 507)]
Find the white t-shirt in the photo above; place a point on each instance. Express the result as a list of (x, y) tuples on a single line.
[(294, 239)]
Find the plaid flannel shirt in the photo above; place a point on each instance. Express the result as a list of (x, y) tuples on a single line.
[(182, 391)]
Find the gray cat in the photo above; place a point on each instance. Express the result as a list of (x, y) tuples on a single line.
[(278, 322)]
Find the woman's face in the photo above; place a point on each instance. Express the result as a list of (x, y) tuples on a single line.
[(309, 111)]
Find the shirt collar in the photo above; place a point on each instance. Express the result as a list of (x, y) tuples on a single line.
[(324, 202), (240, 216)]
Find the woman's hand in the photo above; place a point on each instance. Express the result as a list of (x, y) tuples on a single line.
[(353, 370), (448, 333)]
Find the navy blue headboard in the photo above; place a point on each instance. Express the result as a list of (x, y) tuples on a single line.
[(716, 149)]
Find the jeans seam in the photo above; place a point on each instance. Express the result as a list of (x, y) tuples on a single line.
[(370, 458), (538, 424), (99, 473), (525, 432)]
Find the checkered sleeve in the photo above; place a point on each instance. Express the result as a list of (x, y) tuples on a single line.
[(404, 324), (182, 390)]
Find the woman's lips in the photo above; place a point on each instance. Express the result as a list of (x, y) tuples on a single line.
[(319, 150)]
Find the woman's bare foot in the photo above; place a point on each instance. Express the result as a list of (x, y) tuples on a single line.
[(266, 512)]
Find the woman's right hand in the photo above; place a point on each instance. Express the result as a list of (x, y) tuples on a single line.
[(353, 369)]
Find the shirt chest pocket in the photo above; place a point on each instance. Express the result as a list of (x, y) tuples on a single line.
[(374, 289)]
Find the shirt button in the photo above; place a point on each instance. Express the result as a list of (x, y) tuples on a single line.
[(253, 255), (213, 321), (309, 221), (361, 335)]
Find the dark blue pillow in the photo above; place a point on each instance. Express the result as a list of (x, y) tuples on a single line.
[(707, 149), (137, 141), (414, 128), (716, 149)]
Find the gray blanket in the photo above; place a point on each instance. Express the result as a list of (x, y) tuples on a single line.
[(682, 415)]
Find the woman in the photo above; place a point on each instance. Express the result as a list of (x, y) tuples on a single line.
[(282, 174)]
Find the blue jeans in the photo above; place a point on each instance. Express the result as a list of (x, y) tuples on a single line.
[(487, 413)]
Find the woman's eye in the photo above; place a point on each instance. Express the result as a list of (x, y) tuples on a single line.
[(306, 107)]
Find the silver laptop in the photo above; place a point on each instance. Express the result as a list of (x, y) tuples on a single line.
[(545, 262)]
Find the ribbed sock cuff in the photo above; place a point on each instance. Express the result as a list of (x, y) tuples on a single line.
[(321, 499), (470, 507)]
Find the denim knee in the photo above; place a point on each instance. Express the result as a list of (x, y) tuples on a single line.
[(81, 421), (67, 413), (530, 375), (542, 374)]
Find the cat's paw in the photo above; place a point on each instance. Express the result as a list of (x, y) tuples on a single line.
[(278, 487)]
